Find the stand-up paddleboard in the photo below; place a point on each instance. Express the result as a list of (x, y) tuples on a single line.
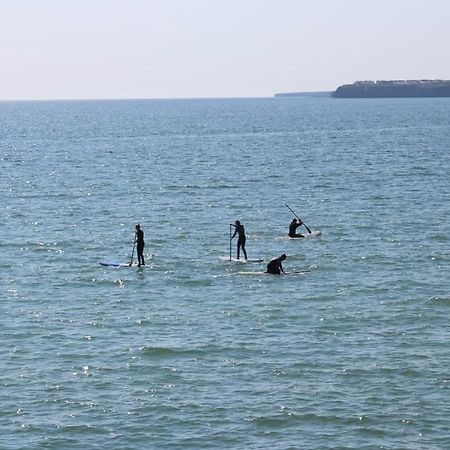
[(304, 272), (241, 260), (108, 263), (307, 235)]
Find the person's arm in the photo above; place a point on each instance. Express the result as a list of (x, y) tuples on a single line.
[(235, 231)]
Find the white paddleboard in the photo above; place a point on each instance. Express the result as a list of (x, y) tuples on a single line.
[(241, 260), (305, 272), (108, 263), (307, 235)]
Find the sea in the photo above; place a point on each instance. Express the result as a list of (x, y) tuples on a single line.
[(347, 350)]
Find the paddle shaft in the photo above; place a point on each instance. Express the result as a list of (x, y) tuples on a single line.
[(309, 231), (230, 241), (132, 252)]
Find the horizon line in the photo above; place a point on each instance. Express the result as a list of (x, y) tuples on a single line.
[(87, 99), (69, 99)]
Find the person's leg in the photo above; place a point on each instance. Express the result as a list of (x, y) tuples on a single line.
[(140, 252), (243, 249)]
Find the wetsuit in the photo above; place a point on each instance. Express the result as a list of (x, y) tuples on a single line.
[(275, 266), (241, 240), (293, 228), (140, 247)]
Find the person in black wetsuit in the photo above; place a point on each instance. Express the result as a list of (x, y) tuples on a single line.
[(139, 241), (274, 267), (293, 228), (241, 238)]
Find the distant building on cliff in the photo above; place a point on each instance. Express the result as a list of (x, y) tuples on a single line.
[(394, 88)]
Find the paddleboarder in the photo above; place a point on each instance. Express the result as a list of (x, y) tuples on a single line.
[(274, 267), (139, 241), (293, 228), (241, 238)]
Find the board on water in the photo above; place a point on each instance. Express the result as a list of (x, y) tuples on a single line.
[(304, 272), (241, 260), (108, 263), (307, 235)]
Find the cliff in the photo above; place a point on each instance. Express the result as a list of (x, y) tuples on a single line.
[(396, 88)]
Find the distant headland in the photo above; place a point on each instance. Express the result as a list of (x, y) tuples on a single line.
[(395, 88), (383, 89)]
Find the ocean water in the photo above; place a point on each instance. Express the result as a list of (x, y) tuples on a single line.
[(192, 352)]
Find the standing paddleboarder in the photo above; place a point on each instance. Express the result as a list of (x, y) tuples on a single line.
[(139, 241), (241, 238)]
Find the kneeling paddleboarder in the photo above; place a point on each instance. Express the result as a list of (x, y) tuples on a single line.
[(293, 228), (274, 267)]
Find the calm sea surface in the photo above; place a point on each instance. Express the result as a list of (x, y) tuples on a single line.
[(192, 352)]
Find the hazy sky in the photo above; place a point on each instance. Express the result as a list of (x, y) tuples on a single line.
[(215, 48)]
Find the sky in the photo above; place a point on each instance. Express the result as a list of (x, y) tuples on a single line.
[(100, 49)]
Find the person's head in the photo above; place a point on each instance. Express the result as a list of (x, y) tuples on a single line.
[(138, 227), (237, 223), (294, 220), (283, 256)]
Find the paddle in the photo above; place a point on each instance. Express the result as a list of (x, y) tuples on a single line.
[(309, 231), (132, 252), (230, 240)]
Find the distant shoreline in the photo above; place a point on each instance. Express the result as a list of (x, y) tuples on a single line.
[(394, 89), (305, 94), (383, 89)]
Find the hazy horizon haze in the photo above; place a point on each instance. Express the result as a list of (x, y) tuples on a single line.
[(198, 49)]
